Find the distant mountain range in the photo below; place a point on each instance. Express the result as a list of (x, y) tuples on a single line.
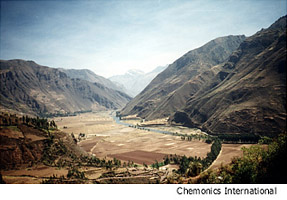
[(90, 76), (230, 85), (34, 89), (134, 81)]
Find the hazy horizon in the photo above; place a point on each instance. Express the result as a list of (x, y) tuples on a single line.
[(111, 37)]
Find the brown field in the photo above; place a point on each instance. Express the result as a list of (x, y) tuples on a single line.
[(13, 133), (31, 175), (107, 139), (139, 156), (88, 123), (228, 151)]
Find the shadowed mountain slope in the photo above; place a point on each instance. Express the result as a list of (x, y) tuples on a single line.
[(170, 90), (248, 95), (31, 88)]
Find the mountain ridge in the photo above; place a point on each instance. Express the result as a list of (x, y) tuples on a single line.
[(134, 80), (250, 93), (243, 94), (154, 101), (88, 75), (31, 88)]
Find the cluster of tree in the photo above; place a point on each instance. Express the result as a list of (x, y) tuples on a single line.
[(75, 173), (41, 123), (129, 164), (157, 164), (110, 164), (192, 166), (67, 114), (53, 150), (258, 165), (239, 138), (208, 139), (81, 136), (137, 126), (8, 119), (74, 176), (97, 162), (54, 179), (212, 155), (265, 140)]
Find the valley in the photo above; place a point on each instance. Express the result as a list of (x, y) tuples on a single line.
[(99, 135), (217, 114), (107, 139)]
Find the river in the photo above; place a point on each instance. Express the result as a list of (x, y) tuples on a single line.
[(118, 121)]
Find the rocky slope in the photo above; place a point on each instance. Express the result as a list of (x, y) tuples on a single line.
[(31, 88), (248, 94), (170, 90), (25, 144), (90, 76), (134, 81)]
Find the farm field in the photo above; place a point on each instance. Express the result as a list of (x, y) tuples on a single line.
[(32, 175), (107, 139), (228, 151)]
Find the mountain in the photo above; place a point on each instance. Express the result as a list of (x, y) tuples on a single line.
[(170, 89), (90, 76), (248, 95), (31, 88), (134, 81)]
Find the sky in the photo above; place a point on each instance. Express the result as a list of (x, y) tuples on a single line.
[(110, 37)]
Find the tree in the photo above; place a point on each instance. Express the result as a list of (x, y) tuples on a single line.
[(53, 124), (74, 139), (257, 165), (184, 162), (194, 168), (156, 164), (208, 141), (166, 160)]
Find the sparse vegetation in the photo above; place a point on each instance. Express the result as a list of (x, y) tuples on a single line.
[(40, 123), (258, 165), (239, 138), (75, 173), (59, 155), (66, 114), (192, 166)]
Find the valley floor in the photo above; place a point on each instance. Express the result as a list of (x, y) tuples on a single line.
[(107, 139), (100, 135)]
